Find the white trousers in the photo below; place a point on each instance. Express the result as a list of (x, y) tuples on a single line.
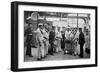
[(41, 50)]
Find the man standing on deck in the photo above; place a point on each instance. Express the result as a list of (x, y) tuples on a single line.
[(81, 42)]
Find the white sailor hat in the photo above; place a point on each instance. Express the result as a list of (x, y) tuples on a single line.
[(40, 24), (45, 24), (29, 18)]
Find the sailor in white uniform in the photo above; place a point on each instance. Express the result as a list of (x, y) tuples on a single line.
[(40, 40), (46, 39)]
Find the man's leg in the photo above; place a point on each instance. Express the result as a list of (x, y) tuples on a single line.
[(46, 48), (81, 50), (49, 51), (39, 53), (30, 54), (42, 50), (52, 46), (28, 50)]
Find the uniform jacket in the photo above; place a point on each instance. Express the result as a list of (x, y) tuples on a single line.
[(81, 38)]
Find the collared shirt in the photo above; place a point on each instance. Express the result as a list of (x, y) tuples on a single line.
[(39, 35), (45, 34), (58, 34), (51, 36), (67, 34)]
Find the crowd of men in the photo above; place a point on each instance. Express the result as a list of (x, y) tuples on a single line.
[(51, 40)]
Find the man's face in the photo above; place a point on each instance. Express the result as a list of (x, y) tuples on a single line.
[(80, 30), (58, 28), (68, 30), (31, 27), (52, 28), (46, 26), (41, 27)]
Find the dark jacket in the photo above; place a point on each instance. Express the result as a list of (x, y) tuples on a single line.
[(51, 36), (81, 38), (63, 41), (29, 34)]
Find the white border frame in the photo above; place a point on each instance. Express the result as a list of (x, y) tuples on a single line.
[(34, 64)]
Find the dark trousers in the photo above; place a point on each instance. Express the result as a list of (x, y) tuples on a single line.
[(63, 44), (28, 50), (51, 48), (81, 50)]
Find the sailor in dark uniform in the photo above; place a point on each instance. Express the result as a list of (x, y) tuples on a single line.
[(81, 42), (51, 40), (63, 41), (29, 40)]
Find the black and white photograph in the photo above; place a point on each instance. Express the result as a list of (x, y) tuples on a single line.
[(53, 36), (56, 36)]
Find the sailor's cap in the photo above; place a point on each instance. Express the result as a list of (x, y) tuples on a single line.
[(29, 20), (40, 24)]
